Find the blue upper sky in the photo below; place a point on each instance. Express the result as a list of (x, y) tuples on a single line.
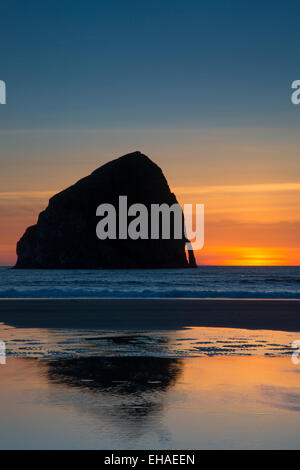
[(150, 64)]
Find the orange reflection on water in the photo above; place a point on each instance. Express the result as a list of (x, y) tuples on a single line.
[(240, 373), (203, 403)]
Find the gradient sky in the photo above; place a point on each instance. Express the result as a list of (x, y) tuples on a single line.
[(202, 87)]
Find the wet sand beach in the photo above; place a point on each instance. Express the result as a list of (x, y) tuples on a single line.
[(152, 314)]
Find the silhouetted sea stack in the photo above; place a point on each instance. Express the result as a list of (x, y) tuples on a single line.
[(65, 234)]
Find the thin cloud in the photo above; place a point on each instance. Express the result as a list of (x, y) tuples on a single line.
[(26, 194), (243, 188)]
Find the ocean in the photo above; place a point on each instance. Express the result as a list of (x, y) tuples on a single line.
[(204, 282)]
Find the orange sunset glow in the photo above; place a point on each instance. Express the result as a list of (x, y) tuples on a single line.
[(248, 225), (248, 256), (250, 195), (245, 225)]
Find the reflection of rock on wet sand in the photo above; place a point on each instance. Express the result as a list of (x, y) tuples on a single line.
[(129, 388)]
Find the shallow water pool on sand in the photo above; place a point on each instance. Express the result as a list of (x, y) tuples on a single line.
[(132, 403), (189, 342), (197, 388)]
